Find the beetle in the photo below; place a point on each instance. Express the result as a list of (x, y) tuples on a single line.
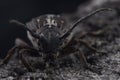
[(50, 38)]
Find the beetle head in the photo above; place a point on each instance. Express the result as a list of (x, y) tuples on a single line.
[(49, 30)]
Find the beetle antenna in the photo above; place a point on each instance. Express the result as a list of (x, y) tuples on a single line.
[(23, 25), (82, 19)]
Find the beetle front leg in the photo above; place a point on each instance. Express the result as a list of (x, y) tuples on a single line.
[(9, 55), (23, 60), (22, 47)]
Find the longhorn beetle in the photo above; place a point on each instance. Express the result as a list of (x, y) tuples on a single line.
[(49, 38)]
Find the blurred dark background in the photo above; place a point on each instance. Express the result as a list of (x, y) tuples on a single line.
[(24, 11)]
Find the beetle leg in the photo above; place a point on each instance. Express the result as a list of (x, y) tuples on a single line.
[(87, 45), (25, 63), (94, 33), (82, 58), (9, 55), (21, 46), (90, 47), (86, 65)]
